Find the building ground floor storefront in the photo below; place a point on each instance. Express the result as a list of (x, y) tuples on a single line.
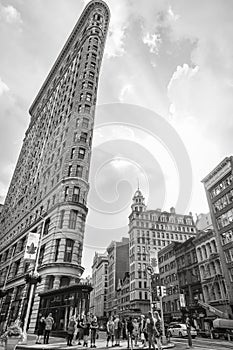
[(62, 303)]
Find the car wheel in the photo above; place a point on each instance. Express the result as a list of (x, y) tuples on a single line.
[(180, 335)]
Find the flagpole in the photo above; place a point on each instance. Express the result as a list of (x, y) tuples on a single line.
[(32, 285)]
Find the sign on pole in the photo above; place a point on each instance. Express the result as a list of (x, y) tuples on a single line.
[(154, 261), (31, 246), (182, 300)]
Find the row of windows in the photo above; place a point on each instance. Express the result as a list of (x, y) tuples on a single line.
[(229, 255), (221, 186), (165, 218), (164, 227), (204, 251), (227, 237), (223, 201), (225, 219), (215, 291)]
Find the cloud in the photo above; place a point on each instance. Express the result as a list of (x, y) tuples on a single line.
[(126, 89), (3, 87), (10, 15), (152, 41)]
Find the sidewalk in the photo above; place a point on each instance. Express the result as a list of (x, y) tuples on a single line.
[(60, 343)]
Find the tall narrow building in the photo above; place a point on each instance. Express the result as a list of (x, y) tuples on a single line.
[(48, 191)]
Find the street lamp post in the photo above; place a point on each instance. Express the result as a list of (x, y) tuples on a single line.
[(33, 284)]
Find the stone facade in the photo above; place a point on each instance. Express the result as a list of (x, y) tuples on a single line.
[(118, 265), (50, 183), (98, 304), (149, 232), (169, 279), (211, 273), (219, 191)]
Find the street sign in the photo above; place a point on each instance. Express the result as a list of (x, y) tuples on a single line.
[(150, 269)]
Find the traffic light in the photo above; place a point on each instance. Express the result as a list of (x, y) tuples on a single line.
[(158, 288)]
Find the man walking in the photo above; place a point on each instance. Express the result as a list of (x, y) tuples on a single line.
[(188, 326), (49, 321)]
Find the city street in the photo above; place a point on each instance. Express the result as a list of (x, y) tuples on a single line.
[(200, 343), (178, 343)]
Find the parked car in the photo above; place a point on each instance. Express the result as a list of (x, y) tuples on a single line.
[(180, 330), (222, 333)]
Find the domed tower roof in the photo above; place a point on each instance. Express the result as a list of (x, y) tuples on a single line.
[(138, 201)]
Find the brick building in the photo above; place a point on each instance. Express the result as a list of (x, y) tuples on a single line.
[(49, 188)]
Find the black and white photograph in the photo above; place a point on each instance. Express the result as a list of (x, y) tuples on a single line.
[(116, 174)]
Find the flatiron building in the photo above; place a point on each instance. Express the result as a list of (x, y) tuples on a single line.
[(49, 187)]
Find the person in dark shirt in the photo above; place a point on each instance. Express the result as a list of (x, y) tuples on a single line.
[(93, 326), (130, 329), (70, 330), (40, 329)]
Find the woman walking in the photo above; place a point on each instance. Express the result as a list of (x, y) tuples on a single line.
[(70, 330), (40, 329), (110, 331), (150, 328), (143, 333), (49, 321), (158, 330), (85, 325)]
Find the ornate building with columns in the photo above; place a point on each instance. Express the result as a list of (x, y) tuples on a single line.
[(48, 191), (149, 232)]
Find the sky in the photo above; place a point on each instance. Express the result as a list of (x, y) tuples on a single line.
[(164, 114)]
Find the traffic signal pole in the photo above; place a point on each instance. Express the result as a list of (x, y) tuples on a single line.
[(164, 338)]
